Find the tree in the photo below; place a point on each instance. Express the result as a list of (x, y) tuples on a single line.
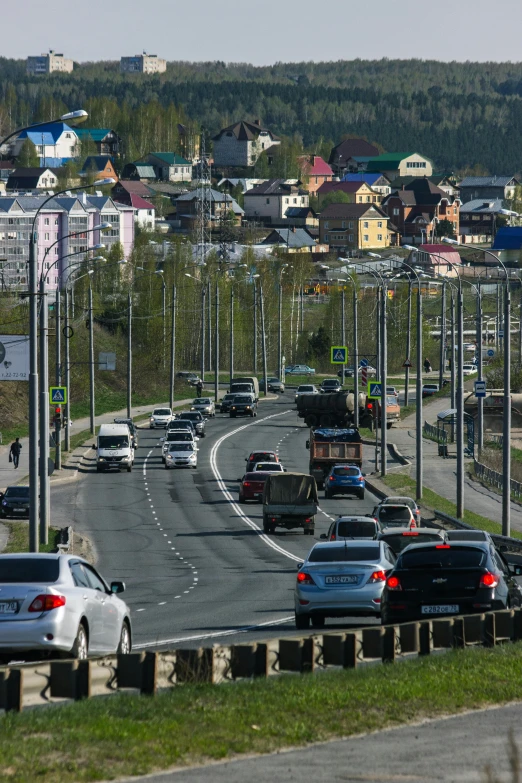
[(319, 345), (444, 228), (27, 157)]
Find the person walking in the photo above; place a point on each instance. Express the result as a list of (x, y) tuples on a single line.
[(427, 365), (14, 452), (199, 388)]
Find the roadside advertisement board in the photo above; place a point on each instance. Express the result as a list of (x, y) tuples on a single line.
[(14, 357)]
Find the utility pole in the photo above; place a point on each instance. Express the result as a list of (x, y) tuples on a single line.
[(129, 355), (164, 309), (91, 363), (280, 327), (378, 337), (418, 401), (355, 360), (231, 331), (58, 376), (44, 413), (452, 375), (384, 372), (209, 325), (203, 333), (255, 329), (216, 343), (173, 347), (506, 418), (460, 405), (343, 332), (480, 364), (33, 393), (67, 408), (442, 359), (263, 339), (408, 346)]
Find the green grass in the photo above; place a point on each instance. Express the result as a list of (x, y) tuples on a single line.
[(107, 738), (18, 538), (404, 485)]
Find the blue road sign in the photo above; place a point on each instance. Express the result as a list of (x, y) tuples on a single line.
[(58, 395), (364, 362), (491, 352), (480, 388), (338, 354), (501, 333), (374, 390)]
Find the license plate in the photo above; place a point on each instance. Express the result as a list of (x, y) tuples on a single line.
[(440, 609), (8, 607), (257, 495), (18, 510), (350, 579)]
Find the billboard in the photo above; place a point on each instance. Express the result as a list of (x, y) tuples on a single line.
[(14, 357)]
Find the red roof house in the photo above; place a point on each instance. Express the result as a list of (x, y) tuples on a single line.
[(317, 170)]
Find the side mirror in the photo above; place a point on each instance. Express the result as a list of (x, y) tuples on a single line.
[(363, 474), (117, 587), (323, 537), (1, 495), (285, 470), (515, 570), (299, 565), (93, 446)]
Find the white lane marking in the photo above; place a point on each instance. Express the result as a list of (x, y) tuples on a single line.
[(228, 495), (231, 632)]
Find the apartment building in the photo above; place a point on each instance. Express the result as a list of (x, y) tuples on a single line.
[(143, 63), (49, 63), (61, 217)]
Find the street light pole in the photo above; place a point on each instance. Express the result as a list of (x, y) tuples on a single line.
[(378, 335), (480, 400), (44, 414), (355, 359), (164, 313), (231, 331), (129, 355), (33, 396), (91, 363), (255, 330), (343, 332), (418, 401), (58, 376), (384, 372), (67, 408), (263, 340), (203, 329), (216, 344), (280, 326), (442, 354), (173, 347), (506, 421), (408, 345), (452, 374), (460, 403)]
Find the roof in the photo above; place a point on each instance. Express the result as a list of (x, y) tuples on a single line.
[(133, 186), (215, 196), (494, 181), (315, 166), (275, 187), (27, 177), (133, 200), (508, 238), (299, 212), (370, 178), (96, 134), (420, 191), (345, 187), (245, 131), (171, 158), (351, 148), (390, 160), (482, 205), (98, 162), (290, 238), (441, 253), (351, 211), (48, 134)]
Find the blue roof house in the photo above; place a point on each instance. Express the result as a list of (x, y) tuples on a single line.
[(55, 143)]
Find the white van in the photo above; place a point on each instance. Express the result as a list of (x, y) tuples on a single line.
[(114, 448)]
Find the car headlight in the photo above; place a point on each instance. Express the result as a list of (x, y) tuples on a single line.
[(4, 502), (125, 459), (152, 418), (102, 459), (233, 408)]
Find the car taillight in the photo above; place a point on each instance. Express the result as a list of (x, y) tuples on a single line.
[(413, 524), (443, 546), (246, 483), (305, 579), (488, 580), (410, 533), (360, 480), (332, 478), (377, 576), (393, 583), (332, 537), (44, 603)]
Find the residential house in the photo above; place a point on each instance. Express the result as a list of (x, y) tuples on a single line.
[(487, 188), (106, 140), (144, 211), (445, 182), (302, 216), (418, 206), (436, 260), (229, 183), (128, 186), (143, 63), (343, 156), (189, 141), (357, 192), (33, 179), (99, 166), (478, 219), (55, 143), (6, 169), (63, 227), (49, 63), (221, 205), (401, 164), (241, 144), (354, 226), (377, 182), (271, 201), (169, 166), (316, 170), (138, 170), (293, 240)]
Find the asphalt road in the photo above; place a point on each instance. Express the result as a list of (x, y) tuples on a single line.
[(197, 566)]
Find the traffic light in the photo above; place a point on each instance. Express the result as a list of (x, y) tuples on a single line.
[(57, 418)]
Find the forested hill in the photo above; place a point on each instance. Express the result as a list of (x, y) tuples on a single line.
[(462, 115)]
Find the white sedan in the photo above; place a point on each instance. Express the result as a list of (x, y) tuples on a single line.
[(204, 405), (181, 455), (469, 369)]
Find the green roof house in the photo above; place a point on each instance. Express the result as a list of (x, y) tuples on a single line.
[(401, 164), (170, 167), (106, 140)]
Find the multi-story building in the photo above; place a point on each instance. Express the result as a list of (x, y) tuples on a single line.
[(61, 217), (106, 140), (487, 188), (143, 63), (357, 192), (55, 143), (354, 227), (316, 170), (241, 144), (351, 155), (49, 63), (417, 207), (169, 166), (271, 200)]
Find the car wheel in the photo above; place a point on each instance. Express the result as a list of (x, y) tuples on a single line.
[(129, 468), (317, 621), (232, 415), (166, 466), (80, 648), (360, 495), (124, 647), (302, 622), (98, 470), (266, 526), (241, 499)]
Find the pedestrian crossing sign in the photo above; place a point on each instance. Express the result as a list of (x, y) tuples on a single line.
[(338, 354), (374, 390), (58, 395)]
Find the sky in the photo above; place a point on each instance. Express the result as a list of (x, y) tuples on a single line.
[(266, 32)]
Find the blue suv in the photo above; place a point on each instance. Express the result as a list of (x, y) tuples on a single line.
[(344, 480)]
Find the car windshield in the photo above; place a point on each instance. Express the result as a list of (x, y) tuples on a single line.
[(356, 529), (389, 514), (346, 471), (29, 569), (391, 401), (452, 557), (431, 386), (243, 398), (181, 447), (181, 424), (202, 401), (305, 389), (113, 441), (338, 554), (17, 492), (399, 541), (330, 383), (273, 380), (400, 501), (228, 397), (181, 437), (162, 412)]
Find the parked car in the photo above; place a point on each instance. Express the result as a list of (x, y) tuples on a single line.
[(160, 417), (398, 538), (243, 405), (186, 374), (299, 369), (347, 527), (395, 515), (226, 402), (260, 456), (274, 385), (181, 455), (402, 500), (392, 391), (429, 389), (59, 605), (197, 419), (468, 369), (252, 485), (306, 388), (344, 480), (341, 579), (330, 385), (14, 502), (434, 580), (350, 371), (204, 405)]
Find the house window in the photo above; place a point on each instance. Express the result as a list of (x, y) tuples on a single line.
[(56, 221), (327, 224), (395, 211), (46, 222), (454, 210), (326, 237), (379, 224), (67, 135), (350, 237), (268, 201), (343, 225), (46, 236), (350, 224), (365, 224), (366, 238), (360, 199), (374, 199), (379, 237), (295, 201), (368, 199), (287, 200)]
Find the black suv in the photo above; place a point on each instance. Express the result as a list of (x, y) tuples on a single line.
[(330, 385), (243, 405), (197, 419), (14, 502)]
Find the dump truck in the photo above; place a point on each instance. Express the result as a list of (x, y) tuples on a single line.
[(336, 410), (290, 500), (330, 447)]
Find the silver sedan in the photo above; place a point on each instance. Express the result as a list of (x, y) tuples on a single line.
[(204, 405), (341, 579), (59, 606)]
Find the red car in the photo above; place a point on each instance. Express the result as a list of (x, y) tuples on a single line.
[(260, 456), (252, 485)]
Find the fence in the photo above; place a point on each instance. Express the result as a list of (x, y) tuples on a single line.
[(496, 479), (434, 433)]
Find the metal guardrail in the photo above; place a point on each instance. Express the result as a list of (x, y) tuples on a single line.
[(436, 434), (496, 479)]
